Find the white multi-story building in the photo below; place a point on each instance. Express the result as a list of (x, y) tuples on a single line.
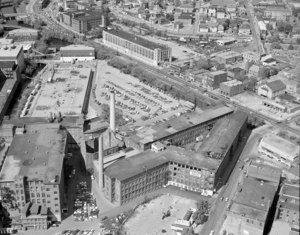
[(279, 148), (137, 47)]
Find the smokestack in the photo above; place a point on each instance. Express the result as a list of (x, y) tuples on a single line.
[(112, 112), (100, 156)]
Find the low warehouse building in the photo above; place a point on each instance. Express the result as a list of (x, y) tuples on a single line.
[(76, 52), (279, 148)]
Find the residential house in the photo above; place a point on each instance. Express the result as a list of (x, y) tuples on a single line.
[(279, 12), (203, 28), (185, 19), (212, 11), (254, 71), (251, 56), (235, 73), (271, 89), (220, 28), (213, 27), (244, 29), (203, 9), (221, 14)]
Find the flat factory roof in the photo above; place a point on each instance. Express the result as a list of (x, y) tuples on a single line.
[(281, 144), (135, 39), (36, 154), (264, 172), (222, 135), (254, 199), (228, 54), (129, 167), (64, 93), (155, 132), (10, 51), (289, 197), (77, 48)]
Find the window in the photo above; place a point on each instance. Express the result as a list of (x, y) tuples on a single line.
[(56, 199), (38, 194), (55, 192), (56, 205), (48, 195), (32, 194), (56, 211), (47, 189)]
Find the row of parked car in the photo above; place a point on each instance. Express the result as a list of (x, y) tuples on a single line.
[(78, 232)]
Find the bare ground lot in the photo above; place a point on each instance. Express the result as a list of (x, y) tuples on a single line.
[(147, 218)]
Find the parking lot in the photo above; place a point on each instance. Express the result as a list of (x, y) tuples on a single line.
[(153, 211), (135, 99)]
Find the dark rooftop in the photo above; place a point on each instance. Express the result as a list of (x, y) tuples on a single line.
[(254, 199), (129, 167), (36, 154), (7, 64), (138, 40), (276, 85), (222, 135), (264, 172), (84, 14), (155, 132)]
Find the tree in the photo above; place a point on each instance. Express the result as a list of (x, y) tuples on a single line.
[(1, 30), (269, 27), (276, 45), (290, 47), (203, 64), (274, 38), (250, 84), (264, 72)]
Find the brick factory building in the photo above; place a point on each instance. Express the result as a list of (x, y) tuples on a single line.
[(33, 168), (201, 172), (137, 47), (179, 131), (231, 88), (84, 20)]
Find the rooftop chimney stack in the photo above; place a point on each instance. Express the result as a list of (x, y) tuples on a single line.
[(100, 155), (112, 112)]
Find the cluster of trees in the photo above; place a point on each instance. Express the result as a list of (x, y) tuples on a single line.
[(30, 67), (45, 3), (201, 215), (266, 72), (284, 27)]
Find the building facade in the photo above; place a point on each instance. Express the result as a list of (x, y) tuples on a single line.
[(231, 88), (279, 149), (214, 79), (288, 204), (179, 131), (229, 57), (83, 20), (272, 89), (13, 53), (40, 177), (137, 47), (77, 53), (201, 172)]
